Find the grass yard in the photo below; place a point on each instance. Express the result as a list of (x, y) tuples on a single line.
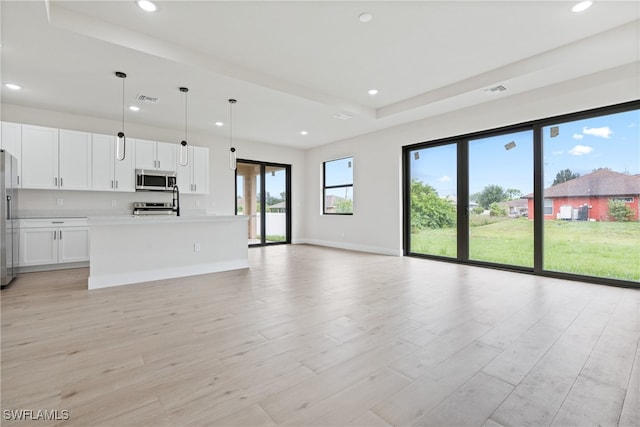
[(603, 249)]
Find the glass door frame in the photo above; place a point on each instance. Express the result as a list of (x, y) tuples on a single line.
[(263, 217), (462, 142)]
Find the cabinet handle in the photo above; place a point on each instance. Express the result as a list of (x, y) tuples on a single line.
[(195, 187), (111, 183), (60, 182), (57, 222), (55, 235), (18, 179), (60, 234), (158, 164), (116, 183), (55, 180)]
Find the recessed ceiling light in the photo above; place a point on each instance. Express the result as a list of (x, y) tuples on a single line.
[(13, 86), (373, 91), (365, 17), (304, 132), (219, 124), (582, 6), (134, 108), (147, 5)]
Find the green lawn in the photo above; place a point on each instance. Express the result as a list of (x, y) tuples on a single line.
[(603, 249)]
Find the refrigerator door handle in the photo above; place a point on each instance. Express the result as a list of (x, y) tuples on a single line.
[(9, 207)]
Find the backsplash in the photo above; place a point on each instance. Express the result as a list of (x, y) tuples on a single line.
[(57, 203)]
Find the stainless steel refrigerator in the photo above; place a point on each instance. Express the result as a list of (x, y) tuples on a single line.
[(9, 224)]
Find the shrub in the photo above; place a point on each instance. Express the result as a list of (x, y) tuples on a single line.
[(497, 210), (620, 211)]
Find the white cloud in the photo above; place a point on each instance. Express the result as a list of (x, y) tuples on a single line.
[(579, 150), (444, 179), (632, 125), (557, 153), (578, 136), (603, 132)]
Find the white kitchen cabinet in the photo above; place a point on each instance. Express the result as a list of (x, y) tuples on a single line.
[(154, 155), (108, 173), (74, 157), (39, 157), (194, 177), (53, 241), (11, 141), (53, 159)]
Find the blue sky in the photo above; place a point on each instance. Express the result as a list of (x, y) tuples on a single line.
[(611, 141)]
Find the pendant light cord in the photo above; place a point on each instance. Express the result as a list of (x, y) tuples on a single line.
[(123, 105)]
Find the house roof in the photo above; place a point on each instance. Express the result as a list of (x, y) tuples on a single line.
[(602, 182)]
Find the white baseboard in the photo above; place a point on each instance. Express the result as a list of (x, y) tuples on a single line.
[(48, 267), (351, 246), (105, 281)]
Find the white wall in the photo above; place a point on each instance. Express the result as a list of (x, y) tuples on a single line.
[(376, 225), (221, 197)]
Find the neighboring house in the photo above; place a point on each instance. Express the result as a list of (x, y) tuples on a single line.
[(517, 207), (454, 201), (280, 207), (587, 197), (331, 202)]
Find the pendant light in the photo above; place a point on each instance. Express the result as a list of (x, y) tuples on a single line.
[(232, 149), (122, 140), (184, 151)]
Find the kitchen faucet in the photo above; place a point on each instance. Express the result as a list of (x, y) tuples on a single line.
[(176, 200)]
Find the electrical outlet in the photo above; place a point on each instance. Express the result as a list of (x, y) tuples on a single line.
[(196, 247), (59, 202)]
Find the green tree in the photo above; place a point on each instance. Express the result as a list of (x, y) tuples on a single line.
[(564, 176), (344, 206), (513, 193), (496, 210), (491, 194), (620, 211), (428, 210)]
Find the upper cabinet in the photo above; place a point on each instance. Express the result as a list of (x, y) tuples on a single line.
[(64, 159), (194, 177), (53, 159), (109, 174), (74, 151), (155, 155), (11, 141), (39, 157)]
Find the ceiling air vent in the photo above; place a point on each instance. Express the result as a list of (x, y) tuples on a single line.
[(342, 116), (495, 89), (144, 98)]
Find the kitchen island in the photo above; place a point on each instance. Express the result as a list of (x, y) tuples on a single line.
[(131, 249)]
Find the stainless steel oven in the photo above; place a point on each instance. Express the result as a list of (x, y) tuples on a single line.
[(153, 180)]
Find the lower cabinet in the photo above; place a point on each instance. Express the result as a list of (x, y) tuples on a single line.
[(53, 241)]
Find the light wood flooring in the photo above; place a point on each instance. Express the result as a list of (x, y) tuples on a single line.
[(318, 336)]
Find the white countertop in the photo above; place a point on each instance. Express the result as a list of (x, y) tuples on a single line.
[(160, 219)]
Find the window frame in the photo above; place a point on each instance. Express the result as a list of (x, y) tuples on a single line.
[(326, 187), (538, 193)]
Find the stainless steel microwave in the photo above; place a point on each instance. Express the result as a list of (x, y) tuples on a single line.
[(154, 180)]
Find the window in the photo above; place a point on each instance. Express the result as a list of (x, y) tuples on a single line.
[(556, 197), (338, 187), (623, 199)]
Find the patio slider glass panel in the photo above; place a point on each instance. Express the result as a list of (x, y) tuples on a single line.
[(433, 201), (248, 197), (275, 204), (500, 187), (591, 191)]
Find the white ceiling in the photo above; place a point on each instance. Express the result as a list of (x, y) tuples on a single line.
[(294, 65)]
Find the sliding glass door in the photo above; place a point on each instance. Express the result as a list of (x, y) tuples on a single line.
[(433, 202), (500, 174), (591, 191), (557, 197), (262, 193)]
